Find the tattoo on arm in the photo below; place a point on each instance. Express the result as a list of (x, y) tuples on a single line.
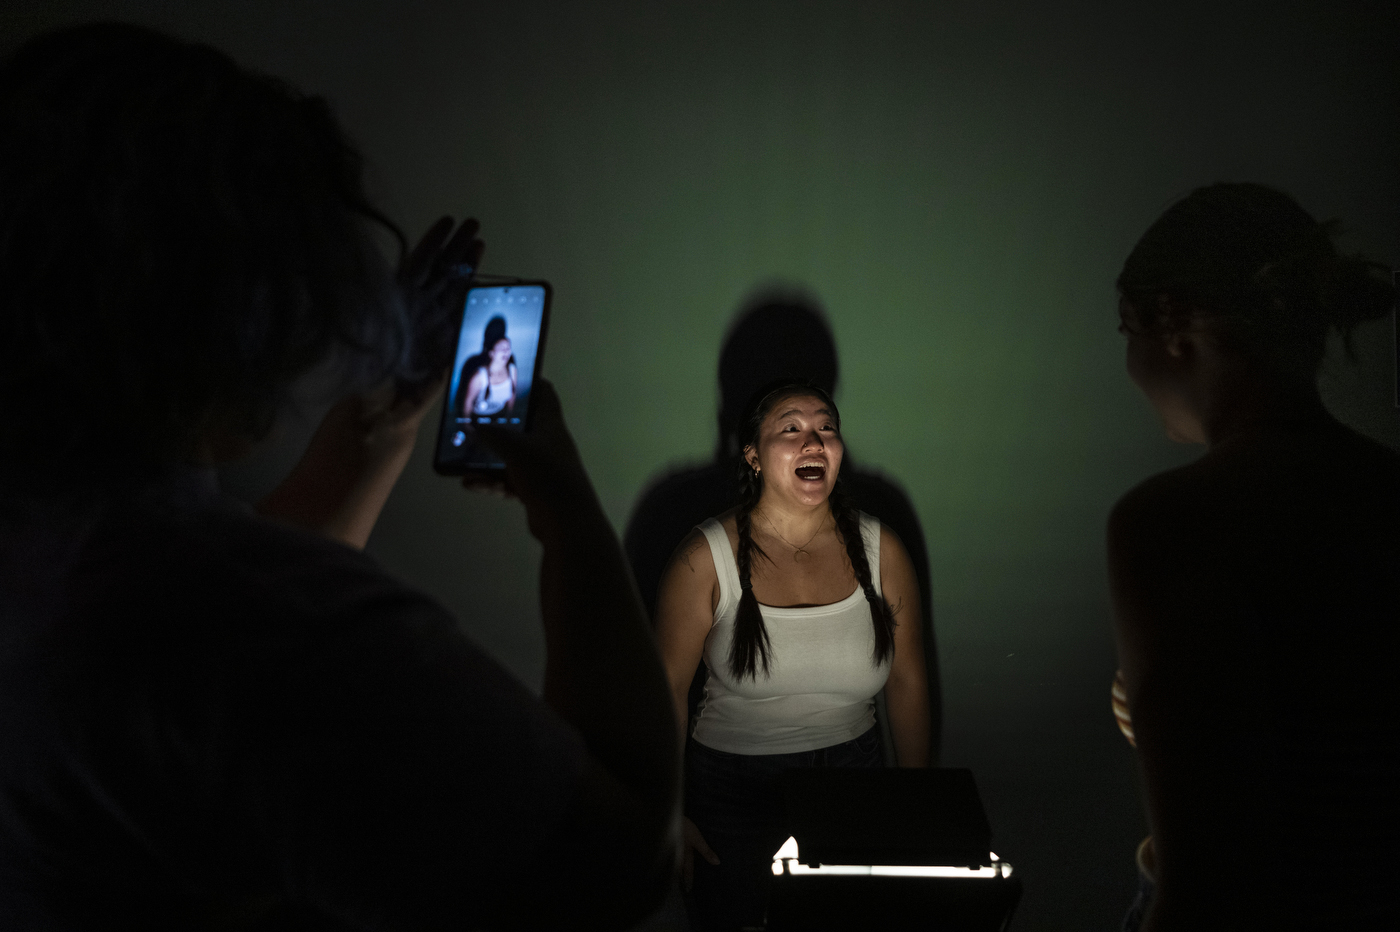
[(686, 554)]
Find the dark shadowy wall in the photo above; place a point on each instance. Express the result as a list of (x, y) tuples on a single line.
[(958, 182)]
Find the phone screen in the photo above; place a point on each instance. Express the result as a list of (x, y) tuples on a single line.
[(499, 350)]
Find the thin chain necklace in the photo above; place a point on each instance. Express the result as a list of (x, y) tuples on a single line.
[(798, 552)]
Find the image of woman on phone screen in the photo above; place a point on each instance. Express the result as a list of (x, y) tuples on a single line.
[(802, 609), (491, 377)]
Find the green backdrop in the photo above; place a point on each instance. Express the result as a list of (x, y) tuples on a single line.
[(957, 182)]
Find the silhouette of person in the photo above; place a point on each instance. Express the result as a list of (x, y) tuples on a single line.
[(778, 334), (219, 718), (1257, 590)]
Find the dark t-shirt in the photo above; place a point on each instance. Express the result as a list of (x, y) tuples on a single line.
[(208, 720)]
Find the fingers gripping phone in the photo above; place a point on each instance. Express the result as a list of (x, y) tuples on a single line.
[(500, 347)]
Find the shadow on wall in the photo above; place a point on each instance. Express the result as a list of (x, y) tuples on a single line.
[(777, 333)]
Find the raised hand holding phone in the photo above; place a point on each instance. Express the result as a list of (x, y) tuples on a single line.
[(602, 673), (340, 484), (433, 279), (542, 468)]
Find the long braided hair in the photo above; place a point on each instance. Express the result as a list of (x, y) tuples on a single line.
[(750, 648)]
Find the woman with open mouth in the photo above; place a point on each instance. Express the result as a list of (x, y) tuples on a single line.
[(802, 609)]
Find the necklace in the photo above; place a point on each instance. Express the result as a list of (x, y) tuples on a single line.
[(798, 552)]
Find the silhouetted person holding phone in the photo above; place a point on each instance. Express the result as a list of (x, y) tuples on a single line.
[(779, 334), (211, 718), (1257, 590)]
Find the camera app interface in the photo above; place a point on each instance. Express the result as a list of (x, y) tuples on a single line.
[(494, 368)]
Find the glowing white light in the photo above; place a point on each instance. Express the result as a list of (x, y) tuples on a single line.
[(785, 861)]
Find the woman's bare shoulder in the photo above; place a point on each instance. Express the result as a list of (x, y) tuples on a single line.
[(1166, 497), (693, 555), (890, 541), (696, 541), (690, 586), (1228, 491), (1170, 519), (729, 520)]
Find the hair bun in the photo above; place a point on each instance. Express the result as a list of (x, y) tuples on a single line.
[(1354, 290)]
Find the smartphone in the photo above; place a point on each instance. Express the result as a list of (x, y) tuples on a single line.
[(499, 351)]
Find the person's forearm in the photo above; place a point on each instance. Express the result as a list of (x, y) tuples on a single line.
[(907, 705), (602, 670), (335, 502), (680, 703), (341, 483)]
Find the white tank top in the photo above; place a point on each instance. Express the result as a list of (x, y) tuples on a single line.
[(493, 398), (821, 683)]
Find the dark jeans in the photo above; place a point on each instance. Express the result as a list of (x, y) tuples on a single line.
[(733, 799)]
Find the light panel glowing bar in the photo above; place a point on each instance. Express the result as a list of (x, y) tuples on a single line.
[(785, 862)]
